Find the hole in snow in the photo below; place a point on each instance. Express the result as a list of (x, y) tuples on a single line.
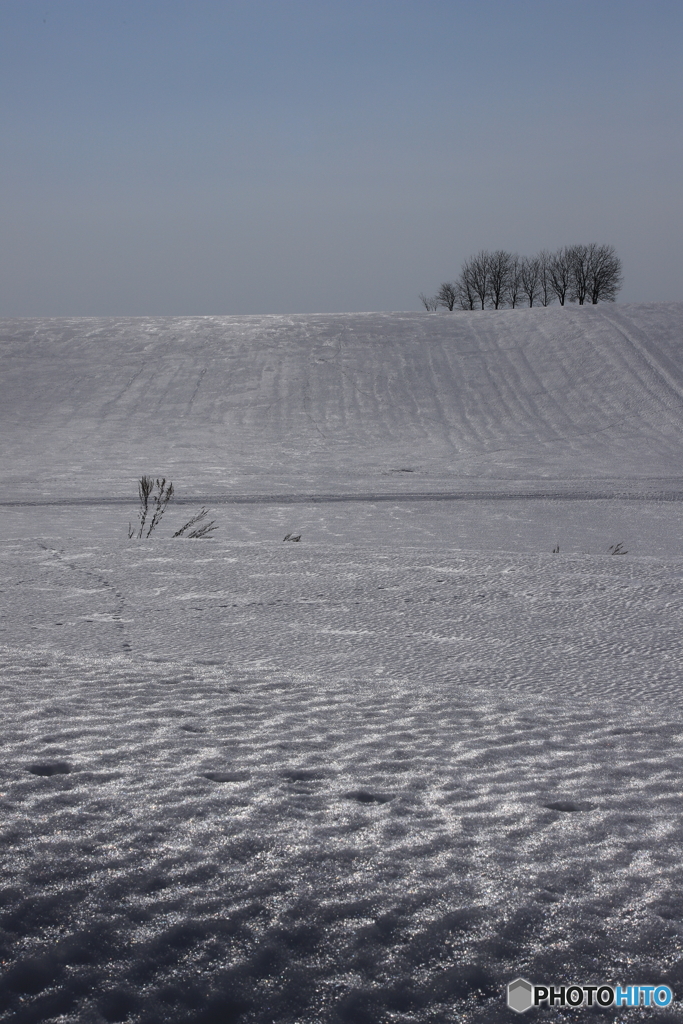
[(301, 775), (363, 796), (50, 768), (227, 776)]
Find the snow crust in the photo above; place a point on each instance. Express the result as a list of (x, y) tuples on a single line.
[(371, 776)]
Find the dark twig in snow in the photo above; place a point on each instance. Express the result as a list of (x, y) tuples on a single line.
[(201, 531)]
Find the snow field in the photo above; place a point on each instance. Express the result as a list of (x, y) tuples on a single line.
[(367, 778), (324, 785)]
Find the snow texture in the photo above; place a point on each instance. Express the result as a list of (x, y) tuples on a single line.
[(374, 775)]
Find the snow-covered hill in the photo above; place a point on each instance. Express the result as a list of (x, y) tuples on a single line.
[(346, 403)]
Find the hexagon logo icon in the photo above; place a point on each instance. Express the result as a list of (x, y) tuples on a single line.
[(520, 995)]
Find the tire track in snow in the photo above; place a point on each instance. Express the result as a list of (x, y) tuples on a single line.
[(591, 494)]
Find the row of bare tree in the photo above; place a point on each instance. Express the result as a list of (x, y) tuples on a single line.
[(495, 280)]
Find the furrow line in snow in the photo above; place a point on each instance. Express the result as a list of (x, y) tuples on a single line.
[(653, 364)]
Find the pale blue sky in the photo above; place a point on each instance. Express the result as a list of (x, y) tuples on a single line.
[(251, 156)]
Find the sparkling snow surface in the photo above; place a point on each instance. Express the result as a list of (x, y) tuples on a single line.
[(375, 775)]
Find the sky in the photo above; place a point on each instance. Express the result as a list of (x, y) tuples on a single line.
[(168, 157)]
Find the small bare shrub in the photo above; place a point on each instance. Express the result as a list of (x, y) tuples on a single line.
[(292, 536), (617, 549), (154, 497)]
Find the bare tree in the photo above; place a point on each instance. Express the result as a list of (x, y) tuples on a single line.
[(430, 304), (467, 297), (530, 274), (499, 277), (515, 280), (579, 256), (447, 296), (545, 289), (560, 271), (605, 274), (477, 272)]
